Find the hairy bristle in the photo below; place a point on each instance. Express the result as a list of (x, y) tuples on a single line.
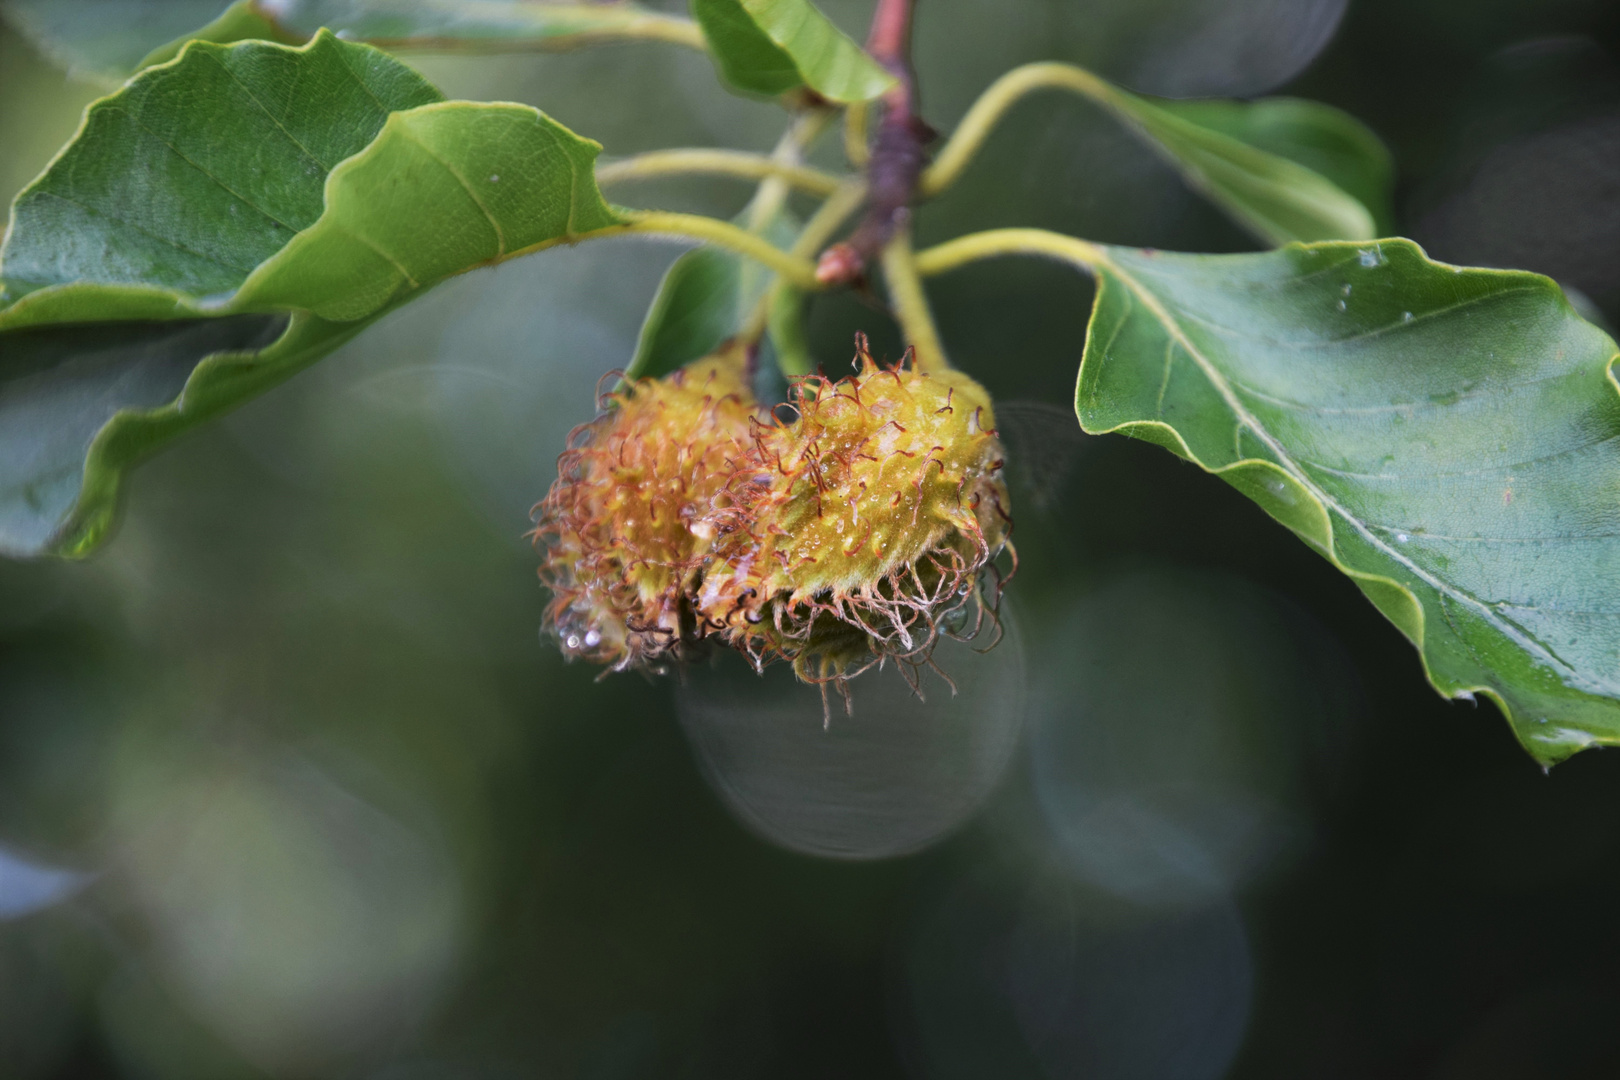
[(623, 527), (865, 528), (857, 531)]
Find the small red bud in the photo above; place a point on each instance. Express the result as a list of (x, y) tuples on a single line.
[(839, 265)]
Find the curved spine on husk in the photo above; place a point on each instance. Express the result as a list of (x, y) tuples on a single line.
[(857, 533), (621, 554), (863, 529)]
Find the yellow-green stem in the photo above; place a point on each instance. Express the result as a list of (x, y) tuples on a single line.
[(855, 148), (811, 239), (800, 271), (789, 154), (997, 242), (738, 163), (596, 24), (910, 303), (828, 217), (969, 136)]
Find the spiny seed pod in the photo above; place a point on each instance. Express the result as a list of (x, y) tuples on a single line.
[(621, 554), (859, 531)]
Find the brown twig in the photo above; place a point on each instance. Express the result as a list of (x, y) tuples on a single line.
[(898, 154)]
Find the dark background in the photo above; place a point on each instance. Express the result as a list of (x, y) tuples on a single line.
[(345, 815)]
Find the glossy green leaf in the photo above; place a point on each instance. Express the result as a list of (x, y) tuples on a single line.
[(187, 180), (112, 39), (696, 308), (319, 186), (60, 386), (1265, 189), (80, 405), (1326, 140), (701, 302), (772, 46), (1449, 438)]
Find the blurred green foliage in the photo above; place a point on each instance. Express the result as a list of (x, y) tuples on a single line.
[(350, 817)]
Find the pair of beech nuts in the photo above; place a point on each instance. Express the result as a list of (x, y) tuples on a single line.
[(860, 531)]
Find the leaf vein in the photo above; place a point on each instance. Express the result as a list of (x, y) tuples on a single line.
[(226, 188), (1218, 380), (1331, 342), (392, 261), (1398, 406), (1493, 470), (268, 115), (1417, 534), (1164, 384), (206, 256), (500, 234)]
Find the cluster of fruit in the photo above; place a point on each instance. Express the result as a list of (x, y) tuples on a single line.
[(688, 513)]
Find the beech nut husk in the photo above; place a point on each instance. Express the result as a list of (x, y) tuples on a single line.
[(857, 531), (621, 555), (861, 530)]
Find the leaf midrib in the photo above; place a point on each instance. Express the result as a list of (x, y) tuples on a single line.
[(217, 181), (500, 233), (1390, 407), (163, 240), (1437, 474), (268, 115), (1323, 342), (1247, 419)]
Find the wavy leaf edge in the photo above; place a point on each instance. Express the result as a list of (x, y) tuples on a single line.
[(132, 434), (1409, 616), (1294, 186), (241, 300), (803, 46)]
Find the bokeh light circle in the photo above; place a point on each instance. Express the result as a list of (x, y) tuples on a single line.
[(1185, 725), (896, 776), (1055, 982)]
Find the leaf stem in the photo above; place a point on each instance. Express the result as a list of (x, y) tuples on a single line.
[(969, 136), (856, 150), (910, 302), (795, 268), (801, 133), (586, 25), (816, 232), (829, 216), (994, 243), (737, 163), (766, 204)]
